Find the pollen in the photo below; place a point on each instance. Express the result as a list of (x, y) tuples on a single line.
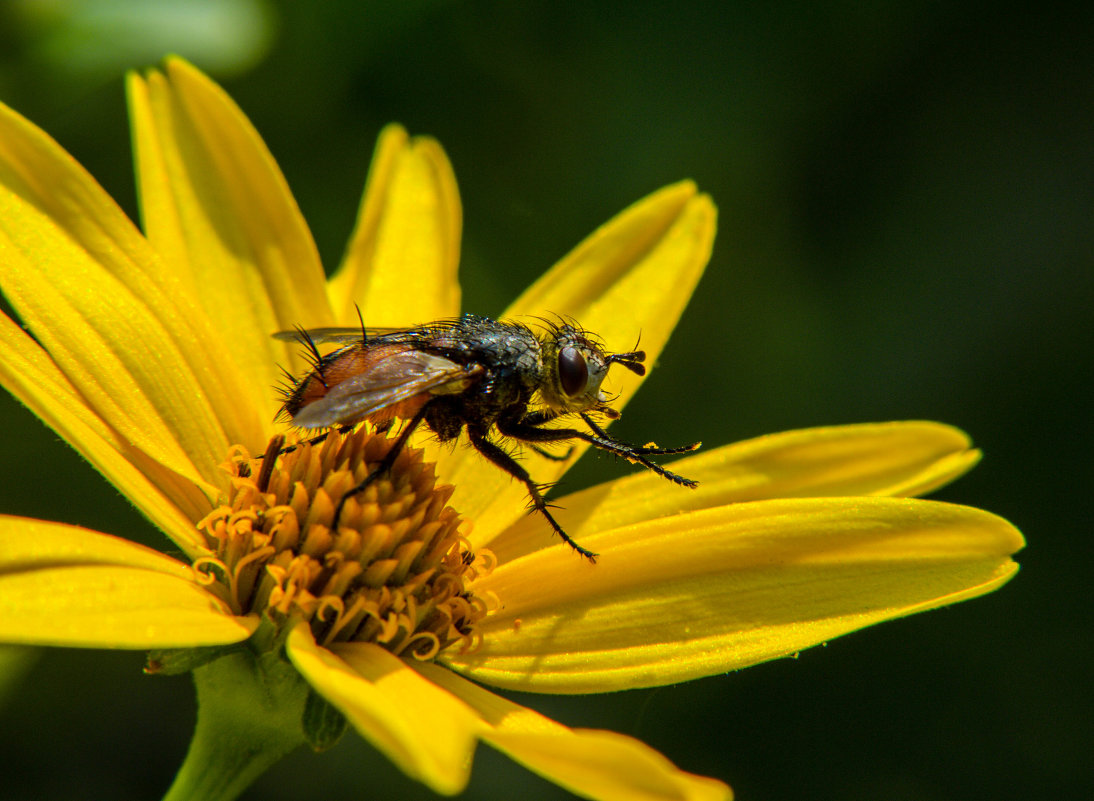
[(395, 571)]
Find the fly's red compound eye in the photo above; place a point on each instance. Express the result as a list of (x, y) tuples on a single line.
[(573, 371)]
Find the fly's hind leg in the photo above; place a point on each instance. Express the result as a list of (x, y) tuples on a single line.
[(385, 463), (277, 447), (380, 428), (311, 441), (511, 466)]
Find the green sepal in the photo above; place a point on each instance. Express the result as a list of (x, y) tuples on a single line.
[(173, 661), (323, 724)]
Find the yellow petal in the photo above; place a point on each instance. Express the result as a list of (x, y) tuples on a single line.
[(215, 204), (68, 586), (401, 264), (169, 500), (635, 273), (593, 764), (28, 544), (896, 459), (116, 323), (425, 731), (715, 590), (632, 277)]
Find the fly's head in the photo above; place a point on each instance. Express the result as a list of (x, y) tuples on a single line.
[(574, 367)]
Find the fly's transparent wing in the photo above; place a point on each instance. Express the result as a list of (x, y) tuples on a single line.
[(393, 377)]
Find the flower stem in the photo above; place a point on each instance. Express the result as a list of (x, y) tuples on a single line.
[(249, 716)]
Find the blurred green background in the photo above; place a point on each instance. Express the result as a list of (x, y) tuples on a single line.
[(906, 195)]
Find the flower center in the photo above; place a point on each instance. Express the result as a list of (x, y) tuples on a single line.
[(395, 571)]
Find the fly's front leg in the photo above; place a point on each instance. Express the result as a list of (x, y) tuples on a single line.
[(529, 433), (554, 457), (645, 451), (511, 466)]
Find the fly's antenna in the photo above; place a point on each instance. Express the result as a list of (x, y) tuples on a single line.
[(632, 361)]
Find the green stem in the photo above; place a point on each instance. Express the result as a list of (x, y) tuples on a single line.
[(249, 716)]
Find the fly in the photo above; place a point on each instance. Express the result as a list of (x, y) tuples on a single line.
[(497, 380)]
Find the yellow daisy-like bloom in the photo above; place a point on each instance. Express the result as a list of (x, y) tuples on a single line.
[(151, 355)]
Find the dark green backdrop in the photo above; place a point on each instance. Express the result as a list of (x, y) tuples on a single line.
[(906, 206)]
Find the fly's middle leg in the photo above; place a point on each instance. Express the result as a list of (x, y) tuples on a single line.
[(511, 466)]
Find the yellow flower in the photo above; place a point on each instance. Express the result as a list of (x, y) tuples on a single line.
[(151, 355)]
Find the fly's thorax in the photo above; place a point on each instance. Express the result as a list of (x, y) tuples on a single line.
[(508, 352), (512, 356), (573, 366)]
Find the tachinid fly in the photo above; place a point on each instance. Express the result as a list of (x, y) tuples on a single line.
[(497, 380)]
